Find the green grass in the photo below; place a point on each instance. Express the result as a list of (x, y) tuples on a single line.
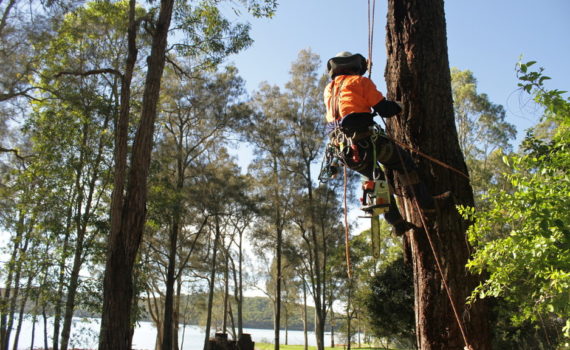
[(265, 346)]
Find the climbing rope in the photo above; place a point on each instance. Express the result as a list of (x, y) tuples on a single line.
[(371, 10), (434, 252), (430, 158)]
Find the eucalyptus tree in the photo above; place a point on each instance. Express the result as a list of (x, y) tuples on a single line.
[(195, 116), (306, 127), (82, 99), (419, 76), (482, 130), (244, 212), (196, 120), (217, 184), (204, 34), (268, 130)]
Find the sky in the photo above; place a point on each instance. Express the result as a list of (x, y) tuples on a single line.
[(485, 36)]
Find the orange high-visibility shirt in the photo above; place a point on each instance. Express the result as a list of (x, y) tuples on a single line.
[(352, 94)]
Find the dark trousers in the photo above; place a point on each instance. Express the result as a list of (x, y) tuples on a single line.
[(392, 157)]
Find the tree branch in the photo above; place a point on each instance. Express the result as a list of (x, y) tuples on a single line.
[(9, 95), (90, 72), (15, 151)]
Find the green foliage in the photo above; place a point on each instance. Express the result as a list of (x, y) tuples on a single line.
[(523, 239), (390, 303), (484, 134)]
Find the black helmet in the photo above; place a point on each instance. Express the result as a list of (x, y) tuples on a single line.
[(346, 63)]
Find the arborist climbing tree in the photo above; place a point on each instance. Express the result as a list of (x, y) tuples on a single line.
[(417, 74), (358, 142)]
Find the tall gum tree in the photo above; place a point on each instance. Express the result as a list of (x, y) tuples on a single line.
[(205, 30), (417, 73)]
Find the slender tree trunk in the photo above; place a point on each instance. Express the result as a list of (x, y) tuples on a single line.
[(319, 280), (18, 271), (286, 327), (417, 73), (332, 328), (21, 312), (240, 289), (5, 323), (127, 223), (45, 318), (278, 253), (82, 220), (226, 293), (212, 284), (58, 300), (305, 321), (176, 315), (167, 334), (33, 336), (348, 328)]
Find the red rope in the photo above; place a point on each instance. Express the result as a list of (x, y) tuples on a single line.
[(435, 256)]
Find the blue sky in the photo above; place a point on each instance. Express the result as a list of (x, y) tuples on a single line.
[(484, 36)]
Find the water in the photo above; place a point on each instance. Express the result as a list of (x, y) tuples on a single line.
[(84, 335)]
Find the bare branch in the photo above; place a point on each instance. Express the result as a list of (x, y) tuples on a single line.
[(15, 151), (24, 93), (90, 72)]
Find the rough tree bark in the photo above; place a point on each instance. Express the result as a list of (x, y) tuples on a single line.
[(417, 73), (128, 214)]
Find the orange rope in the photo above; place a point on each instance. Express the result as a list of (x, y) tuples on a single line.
[(435, 255), (432, 159)]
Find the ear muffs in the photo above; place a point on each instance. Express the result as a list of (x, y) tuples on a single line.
[(354, 64)]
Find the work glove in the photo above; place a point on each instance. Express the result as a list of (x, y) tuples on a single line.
[(387, 109)]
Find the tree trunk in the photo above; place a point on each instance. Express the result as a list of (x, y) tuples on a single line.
[(6, 317), (58, 300), (167, 333), (348, 327), (332, 328), (278, 248), (128, 217), (176, 315), (45, 318), (33, 335), (277, 321), (305, 324), (82, 220), (417, 73), (21, 312), (286, 327), (212, 284), (240, 289), (226, 291)]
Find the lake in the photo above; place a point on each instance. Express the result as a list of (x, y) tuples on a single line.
[(84, 335)]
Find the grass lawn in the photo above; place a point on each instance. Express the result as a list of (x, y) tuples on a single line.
[(265, 346)]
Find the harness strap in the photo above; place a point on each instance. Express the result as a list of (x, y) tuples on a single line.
[(335, 97)]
